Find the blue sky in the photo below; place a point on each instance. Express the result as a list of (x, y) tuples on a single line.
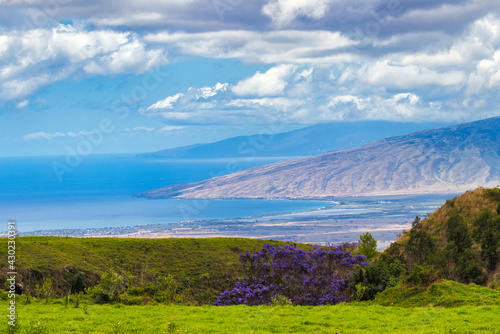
[(139, 76)]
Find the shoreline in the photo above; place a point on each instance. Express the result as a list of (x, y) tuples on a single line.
[(384, 217)]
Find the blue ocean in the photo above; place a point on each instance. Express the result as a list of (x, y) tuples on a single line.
[(98, 192)]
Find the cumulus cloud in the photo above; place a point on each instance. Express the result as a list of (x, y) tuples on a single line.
[(167, 103), (283, 12), (270, 83), (35, 58), (486, 77), (327, 59), (189, 107), (253, 103)]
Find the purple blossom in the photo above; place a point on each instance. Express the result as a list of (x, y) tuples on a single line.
[(316, 277)]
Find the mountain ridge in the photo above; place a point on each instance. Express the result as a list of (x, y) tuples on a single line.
[(447, 160), (307, 141)]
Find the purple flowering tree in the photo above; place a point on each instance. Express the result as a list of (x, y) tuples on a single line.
[(316, 277)]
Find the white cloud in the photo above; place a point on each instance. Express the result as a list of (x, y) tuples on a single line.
[(38, 57), (406, 97), (486, 77), (170, 128), (143, 128), (22, 104), (128, 58), (423, 58), (270, 83), (398, 107), (389, 74), (311, 94), (283, 12), (360, 103), (49, 136), (272, 47), (167, 103), (207, 92), (275, 103), (42, 135), (192, 99)]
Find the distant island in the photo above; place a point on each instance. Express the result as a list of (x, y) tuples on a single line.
[(446, 160), (308, 141)]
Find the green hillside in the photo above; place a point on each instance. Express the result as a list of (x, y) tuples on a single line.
[(460, 241), (441, 294), (201, 268)]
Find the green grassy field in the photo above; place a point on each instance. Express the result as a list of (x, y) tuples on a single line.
[(204, 266), (203, 269), (343, 318)]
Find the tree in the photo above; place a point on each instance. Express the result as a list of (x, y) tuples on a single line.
[(367, 246), (320, 276), (487, 234)]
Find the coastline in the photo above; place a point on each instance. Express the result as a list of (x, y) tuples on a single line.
[(342, 221)]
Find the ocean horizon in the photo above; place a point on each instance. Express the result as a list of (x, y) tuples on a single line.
[(99, 192)]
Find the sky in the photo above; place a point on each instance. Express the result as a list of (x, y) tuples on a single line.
[(91, 76)]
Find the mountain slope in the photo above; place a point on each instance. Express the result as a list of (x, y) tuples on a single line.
[(448, 160), (460, 241), (307, 141)]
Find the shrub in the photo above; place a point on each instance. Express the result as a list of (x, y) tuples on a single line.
[(317, 277), (370, 280), (108, 289)]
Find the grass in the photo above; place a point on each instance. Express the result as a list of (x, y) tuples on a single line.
[(205, 266), (442, 294), (344, 318)]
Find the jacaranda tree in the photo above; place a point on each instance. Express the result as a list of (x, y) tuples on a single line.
[(316, 277)]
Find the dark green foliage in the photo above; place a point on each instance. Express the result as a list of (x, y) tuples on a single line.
[(367, 246), (416, 222), (376, 278), (458, 233), (422, 275), (460, 241), (422, 249), (487, 233), (78, 284), (493, 193), (464, 263), (394, 252)]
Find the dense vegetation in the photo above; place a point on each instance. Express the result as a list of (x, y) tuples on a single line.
[(459, 242)]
